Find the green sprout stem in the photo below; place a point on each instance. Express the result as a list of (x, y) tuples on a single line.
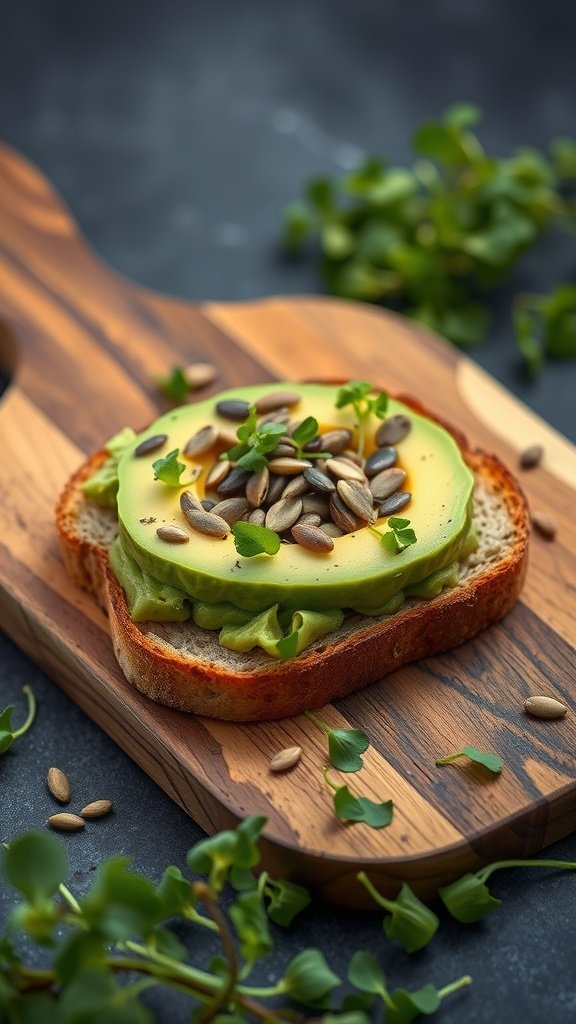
[(449, 758), (485, 873), (329, 782), (381, 900), (454, 986), (318, 721), (70, 898), (31, 712)]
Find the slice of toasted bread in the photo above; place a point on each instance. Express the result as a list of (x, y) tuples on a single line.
[(184, 666)]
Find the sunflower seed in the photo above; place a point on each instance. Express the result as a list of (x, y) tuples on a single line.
[(393, 430), (343, 516), (344, 470), (531, 457), (234, 483), (59, 785), (207, 504), (284, 451), (189, 502), (231, 509), (386, 482), (353, 456), (317, 503), (315, 445), (199, 375), (280, 416), (319, 481), (311, 538), (66, 822), (295, 487), (150, 444), (201, 442), (276, 489), (394, 503), (233, 409), (283, 514), (218, 472), (227, 438), (287, 466), (545, 707), (173, 534), (257, 517), (257, 486), (96, 809), (285, 759), (331, 529), (310, 519), (544, 524), (208, 523), (277, 400), (358, 498), (336, 441), (381, 459)]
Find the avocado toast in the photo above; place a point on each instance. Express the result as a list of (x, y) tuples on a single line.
[(348, 592)]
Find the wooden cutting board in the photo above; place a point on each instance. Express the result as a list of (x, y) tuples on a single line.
[(83, 345)]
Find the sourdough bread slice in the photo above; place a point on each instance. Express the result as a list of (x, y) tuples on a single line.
[(184, 666)]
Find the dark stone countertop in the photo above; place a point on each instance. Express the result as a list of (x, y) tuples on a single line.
[(177, 133)]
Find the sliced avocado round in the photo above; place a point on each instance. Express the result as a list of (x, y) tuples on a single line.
[(358, 574)]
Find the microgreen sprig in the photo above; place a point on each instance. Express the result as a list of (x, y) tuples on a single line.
[(250, 539), (7, 733), (175, 385), (490, 761), (469, 899), (351, 809), (255, 442), (399, 536), (400, 1006), (357, 393), (344, 745), (410, 922)]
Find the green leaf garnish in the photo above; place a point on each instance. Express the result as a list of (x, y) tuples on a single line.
[(492, 762), (7, 733), (344, 745), (308, 978), (221, 855), (352, 809), (251, 925), (174, 386), (285, 900), (35, 864), (410, 922), (469, 899), (251, 540), (400, 536), (168, 469), (357, 394)]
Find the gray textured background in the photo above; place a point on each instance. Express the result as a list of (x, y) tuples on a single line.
[(177, 132)]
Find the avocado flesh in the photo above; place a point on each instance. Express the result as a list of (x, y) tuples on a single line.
[(357, 574)]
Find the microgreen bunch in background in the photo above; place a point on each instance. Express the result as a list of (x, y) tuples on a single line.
[(432, 238)]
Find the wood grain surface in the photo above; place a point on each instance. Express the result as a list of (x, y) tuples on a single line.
[(83, 345)]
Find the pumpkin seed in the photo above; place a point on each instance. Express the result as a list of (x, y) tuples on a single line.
[(295, 487), (233, 409), (544, 524), (96, 809), (58, 784), (66, 822), (545, 707), (394, 503), (208, 523), (343, 516), (257, 517), (385, 483), (381, 459), (257, 486), (234, 483), (344, 470), (531, 457), (331, 529), (311, 538), (151, 444), (199, 375), (283, 514), (201, 442), (319, 481), (357, 498), (285, 759), (218, 472), (231, 509), (336, 441), (287, 466), (175, 535), (393, 430), (276, 400)]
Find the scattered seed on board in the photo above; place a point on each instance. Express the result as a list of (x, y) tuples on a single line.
[(381, 459), (545, 707), (531, 457), (207, 523), (312, 538), (151, 444), (96, 809), (285, 759), (545, 524), (218, 473), (59, 785), (318, 480), (199, 375), (276, 400), (257, 486), (233, 409), (283, 514), (174, 534), (385, 483), (286, 466), (231, 509), (358, 498), (202, 441), (392, 430), (394, 503), (66, 822)]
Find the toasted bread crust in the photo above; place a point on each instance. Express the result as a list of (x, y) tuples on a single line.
[(327, 670)]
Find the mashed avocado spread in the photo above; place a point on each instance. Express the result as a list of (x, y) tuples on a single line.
[(281, 602)]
